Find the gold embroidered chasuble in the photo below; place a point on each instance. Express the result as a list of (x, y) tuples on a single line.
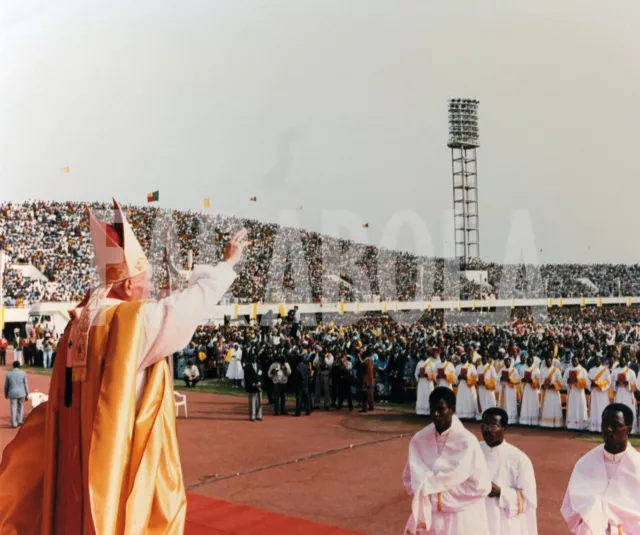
[(98, 466)]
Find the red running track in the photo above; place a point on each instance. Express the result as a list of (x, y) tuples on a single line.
[(313, 472), (208, 516)]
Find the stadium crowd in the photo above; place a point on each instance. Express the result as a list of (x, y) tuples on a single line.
[(282, 264), (336, 353)]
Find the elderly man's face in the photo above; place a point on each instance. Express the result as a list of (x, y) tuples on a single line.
[(142, 286)]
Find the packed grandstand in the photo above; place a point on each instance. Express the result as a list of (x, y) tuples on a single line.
[(54, 237)]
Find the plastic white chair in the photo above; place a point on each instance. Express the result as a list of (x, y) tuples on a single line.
[(37, 398), (181, 401)]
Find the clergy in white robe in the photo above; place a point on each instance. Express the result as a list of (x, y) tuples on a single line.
[(599, 384), (530, 409), (446, 475), (487, 382), (575, 381), (509, 389), (467, 397), (551, 401), (425, 375), (603, 496), (498, 363), (445, 373), (623, 379), (511, 505)]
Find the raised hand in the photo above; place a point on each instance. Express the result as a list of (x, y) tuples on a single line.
[(234, 248)]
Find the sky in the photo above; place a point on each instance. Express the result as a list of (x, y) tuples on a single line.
[(340, 107)]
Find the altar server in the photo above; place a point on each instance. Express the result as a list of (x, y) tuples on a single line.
[(512, 503)]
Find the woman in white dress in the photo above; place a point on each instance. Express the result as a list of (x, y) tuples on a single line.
[(600, 384), (551, 403), (467, 400), (530, 410), (425, 374), (235, 373), (575, 381), (487, 382), (623, 380)]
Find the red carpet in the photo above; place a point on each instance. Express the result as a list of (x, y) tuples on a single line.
[(208, 516)]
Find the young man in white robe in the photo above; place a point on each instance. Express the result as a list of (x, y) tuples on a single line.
[(512, 503), (467, 397), (603, 496), (445, 373), (509, 385), (530, 409), (575, 382), (599, 384), (487, 382), (446, 475), (425, 375), (551, 401), (623, 380)]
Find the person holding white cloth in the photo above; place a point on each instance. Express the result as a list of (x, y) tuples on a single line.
[(446, 475), (603, 496)]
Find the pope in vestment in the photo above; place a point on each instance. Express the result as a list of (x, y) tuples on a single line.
[(101, 456)]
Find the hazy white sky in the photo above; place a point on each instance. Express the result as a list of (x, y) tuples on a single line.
[(332, 105)]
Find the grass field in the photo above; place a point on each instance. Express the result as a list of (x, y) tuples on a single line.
[(222, 387)]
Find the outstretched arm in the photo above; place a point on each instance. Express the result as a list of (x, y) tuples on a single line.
[(170, 323)]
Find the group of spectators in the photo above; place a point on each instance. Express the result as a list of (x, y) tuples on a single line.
[(335, 354), (36, 349), (282, 264)]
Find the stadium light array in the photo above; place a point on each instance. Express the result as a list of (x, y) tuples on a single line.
[(463, 123)]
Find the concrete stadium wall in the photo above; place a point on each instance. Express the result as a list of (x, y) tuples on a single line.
[(20, 315)]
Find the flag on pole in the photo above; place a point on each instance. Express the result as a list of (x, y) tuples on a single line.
[(253, 199), (153, 196), (207, 202)]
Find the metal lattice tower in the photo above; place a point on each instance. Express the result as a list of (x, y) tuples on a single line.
[(463, 142)]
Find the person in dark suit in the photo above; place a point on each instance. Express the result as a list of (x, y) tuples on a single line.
[(345, 379), (16, 390), (253, 386), (302, 378), (396, 372)]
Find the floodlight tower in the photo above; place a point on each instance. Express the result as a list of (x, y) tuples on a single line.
[(463, 142)]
